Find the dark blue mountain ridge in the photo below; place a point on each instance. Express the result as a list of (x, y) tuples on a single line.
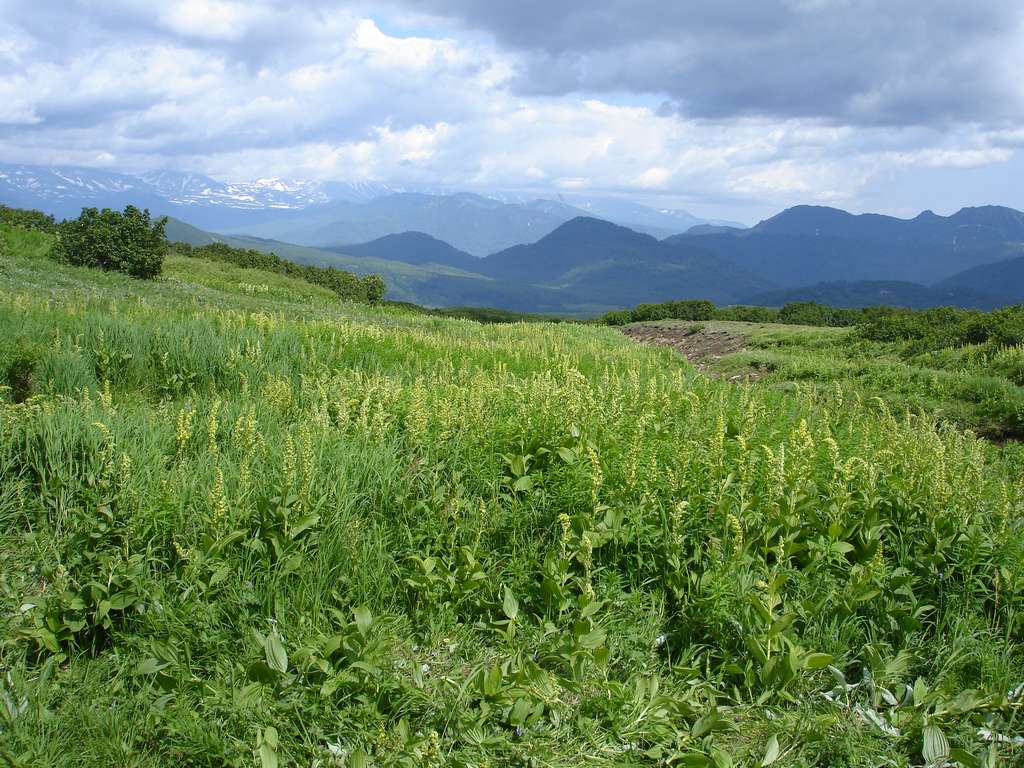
[(412, 248)]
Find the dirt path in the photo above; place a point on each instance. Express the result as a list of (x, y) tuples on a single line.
[(701, 347)]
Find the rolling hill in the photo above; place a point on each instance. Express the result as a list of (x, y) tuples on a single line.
[(428, 284), (1003, 278), (585, 266), (618, 266), (413, 248)]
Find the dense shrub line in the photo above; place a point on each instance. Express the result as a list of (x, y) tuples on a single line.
[(369, 288), (27, 219), (794, 313), (926, 329), (935, 329)]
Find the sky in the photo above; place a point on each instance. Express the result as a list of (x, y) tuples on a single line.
[(727, 108)]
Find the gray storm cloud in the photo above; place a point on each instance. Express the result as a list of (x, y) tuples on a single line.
[(898, 62)]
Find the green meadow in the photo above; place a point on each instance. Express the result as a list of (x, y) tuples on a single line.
[(244, 523)]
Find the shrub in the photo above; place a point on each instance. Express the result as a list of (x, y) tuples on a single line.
[(27, 219), (805, 313), (1005, 327), (129, 242), (674, 310), (748, 314), (617, 317)]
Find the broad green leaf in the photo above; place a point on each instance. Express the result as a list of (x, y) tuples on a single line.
[(277, 657), (705, 724), (936, 747), (270, 737), (364, 619), (814, 661), (268, 756), (510, 605), (771, 754), (150, 667), (219, 575), (781, 624), (593, 639), (303, 524), (591, 608), (965, 758)]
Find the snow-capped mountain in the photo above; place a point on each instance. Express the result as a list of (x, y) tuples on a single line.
[(325, 213), (196, 189)]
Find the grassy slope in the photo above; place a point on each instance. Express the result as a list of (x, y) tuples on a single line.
[(967, 386), (353, 536)]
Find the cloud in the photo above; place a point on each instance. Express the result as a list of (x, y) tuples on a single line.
[(892, 62), (730, 106)]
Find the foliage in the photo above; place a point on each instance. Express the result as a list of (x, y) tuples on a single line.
[(27, 219), (747, 314), (129, 242), (263, 528), (934, 329), (491, 315), (813, 313), (975, 386), (369, 289)]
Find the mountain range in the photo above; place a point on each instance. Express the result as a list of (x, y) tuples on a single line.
[(441, 248), (323, 214), (589, 265)]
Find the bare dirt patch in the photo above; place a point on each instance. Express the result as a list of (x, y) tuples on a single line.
[(701, 347)]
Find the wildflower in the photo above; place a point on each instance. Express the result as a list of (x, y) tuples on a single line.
[(212, 425), (183, 430), (736, 529)]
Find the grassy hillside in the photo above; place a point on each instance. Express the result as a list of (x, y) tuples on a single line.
[(975, 386), (245, 526)]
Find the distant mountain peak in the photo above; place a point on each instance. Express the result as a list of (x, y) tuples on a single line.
[(412, 248), (589, 228)]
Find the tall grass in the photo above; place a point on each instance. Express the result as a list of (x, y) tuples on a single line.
[(249, 527)]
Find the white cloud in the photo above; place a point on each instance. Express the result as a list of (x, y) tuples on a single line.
[(242, 90)]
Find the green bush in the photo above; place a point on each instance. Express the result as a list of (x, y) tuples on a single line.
[(129, 242), (617, 317), (748, 314), (1005, 327), (674, 310), (805, 313), (27, 219)]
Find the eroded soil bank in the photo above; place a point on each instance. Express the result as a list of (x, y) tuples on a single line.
[(701, 346)]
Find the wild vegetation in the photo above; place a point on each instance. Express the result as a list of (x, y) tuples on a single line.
[(793, 313), (368, 288), (245, 524), (966, 368), (129, 242), (27, 219)]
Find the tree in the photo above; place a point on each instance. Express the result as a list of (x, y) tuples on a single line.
[(129, 242), (375, 287)]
